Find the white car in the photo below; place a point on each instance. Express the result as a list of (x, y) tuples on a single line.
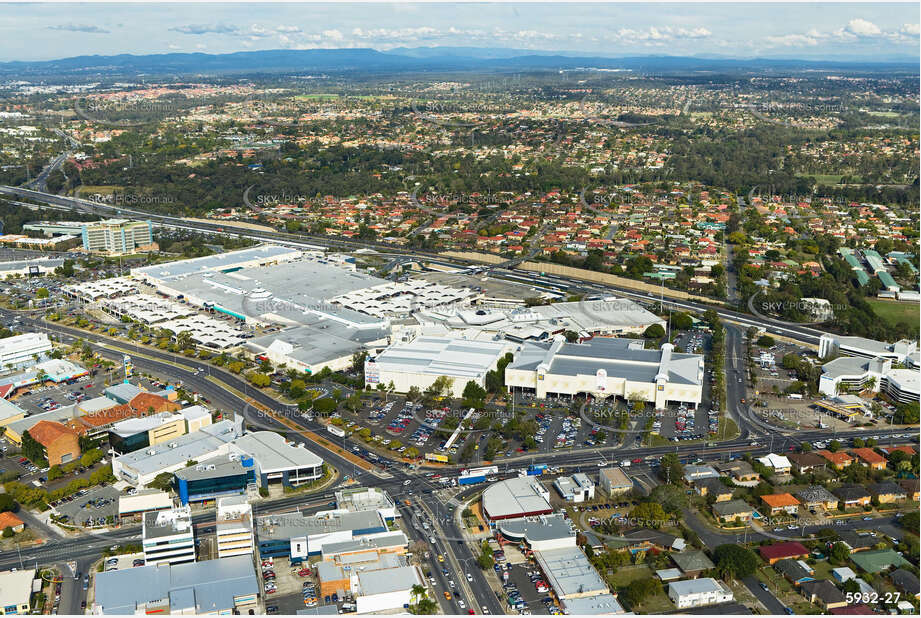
[(461, 603), (469, 577)]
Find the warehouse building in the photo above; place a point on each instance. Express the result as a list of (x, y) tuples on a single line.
[(570, 574), (605, 367), (222, 586), (423, 360), (522, 496)]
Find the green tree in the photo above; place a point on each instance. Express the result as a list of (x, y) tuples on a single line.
[(163, 481), (839, 554), (7, 503), (7, 532), (655, 331), (670, 468), (648, 515), (735, 560)]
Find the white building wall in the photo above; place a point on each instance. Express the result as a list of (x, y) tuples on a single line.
[(377, 603)]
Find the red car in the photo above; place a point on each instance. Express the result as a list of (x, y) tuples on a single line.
[(304, 572), (638, 460)]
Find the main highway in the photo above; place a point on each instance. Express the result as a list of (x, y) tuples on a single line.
[(803, 334)]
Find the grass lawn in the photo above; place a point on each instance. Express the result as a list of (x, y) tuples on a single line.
[(627, 574), (658, 604), (727, 430), (828, 179), (894, 312)]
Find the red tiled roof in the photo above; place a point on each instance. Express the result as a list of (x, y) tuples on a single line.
[(8, 519), (869, 455), (777, 551), (46, 432)]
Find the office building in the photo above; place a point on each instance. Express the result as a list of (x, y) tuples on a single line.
[(117, 236), (209, 479), (168, 536), (614, 481), (135, 433), (856, 374), (20, 351), (234, 527), (299, 535), (903, 351)]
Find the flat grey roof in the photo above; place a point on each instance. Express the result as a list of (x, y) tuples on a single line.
[(542, 528), (388, 580), (442, 356), (274, 454), (514, 497), (293, 525), (621, 358), (569, 572), (319, 340), (191, 446), (695, 586), (213, 583), (216, 467), (180, 268)]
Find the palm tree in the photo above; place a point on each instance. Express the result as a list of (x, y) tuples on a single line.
[(417, 592)]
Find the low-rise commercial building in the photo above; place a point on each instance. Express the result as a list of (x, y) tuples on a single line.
[(605, 367), (59, 443), (575, 488), (423, 360), (15, 591), (222, 586), (213, 478), (875, 374), (699, 592), (521, 496), (614, 481), (298, 535)]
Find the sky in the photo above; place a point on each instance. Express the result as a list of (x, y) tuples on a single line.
[(865, 31)]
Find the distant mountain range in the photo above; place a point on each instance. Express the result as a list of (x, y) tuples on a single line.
[(415, 60)]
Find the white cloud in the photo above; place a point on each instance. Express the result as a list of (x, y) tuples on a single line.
[(791, 40), (862, 27), (910, 29)]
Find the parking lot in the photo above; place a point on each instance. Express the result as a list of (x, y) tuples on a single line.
[(94, 508), (521, 585), (53, 396), (288, 588)]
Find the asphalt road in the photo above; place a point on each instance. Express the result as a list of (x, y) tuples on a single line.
[(767, 598)]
